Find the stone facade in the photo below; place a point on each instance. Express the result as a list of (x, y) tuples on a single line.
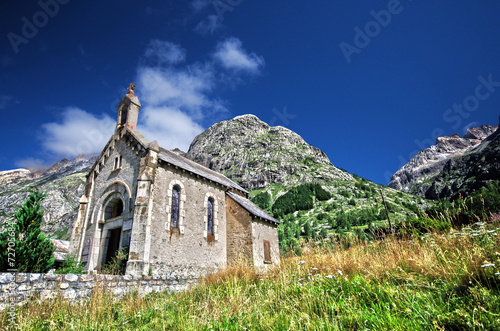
[(166, 211), (17, 288), (239, 237)]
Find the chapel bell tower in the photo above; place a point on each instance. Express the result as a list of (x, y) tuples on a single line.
[(128, 110)]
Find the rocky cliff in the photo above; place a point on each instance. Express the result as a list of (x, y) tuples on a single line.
[(254, 154), (477, 167), (63, 182), (418, 174)]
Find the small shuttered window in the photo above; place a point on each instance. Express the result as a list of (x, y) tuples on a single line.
[(267, 252)]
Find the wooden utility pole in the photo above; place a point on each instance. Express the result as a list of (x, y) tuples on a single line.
[(386, 210)]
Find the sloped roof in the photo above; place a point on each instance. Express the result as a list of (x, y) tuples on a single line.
[(181, 162), (251, 207), (197, 169)]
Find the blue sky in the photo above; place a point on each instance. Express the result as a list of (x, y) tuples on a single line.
[(368, 82)]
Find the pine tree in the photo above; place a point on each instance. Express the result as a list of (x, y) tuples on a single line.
[(33, 251)]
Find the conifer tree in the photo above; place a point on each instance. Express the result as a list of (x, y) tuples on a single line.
[(33, 251)]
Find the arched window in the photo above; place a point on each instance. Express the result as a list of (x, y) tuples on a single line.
[(117, 209), (114, 208), (210, 219), (176, 197)]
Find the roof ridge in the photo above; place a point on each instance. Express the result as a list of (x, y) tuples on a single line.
[(170, 157)]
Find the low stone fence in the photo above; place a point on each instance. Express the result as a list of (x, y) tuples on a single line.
[(17, 288)]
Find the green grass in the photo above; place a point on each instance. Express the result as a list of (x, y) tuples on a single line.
[(434, 282)]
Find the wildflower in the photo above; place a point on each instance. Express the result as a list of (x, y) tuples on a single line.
[(315, 269), (488, 265), (156, 308), (340, 272), (329, 276), (293, 275), (302, 262)]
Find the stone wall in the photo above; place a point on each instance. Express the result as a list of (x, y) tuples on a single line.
[(17, 288), (239, 234), (188, 244), (263, 230)]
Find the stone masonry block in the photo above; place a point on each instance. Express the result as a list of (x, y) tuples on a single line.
[(35, 277), (6, 278), (21, 277), (71, 278)]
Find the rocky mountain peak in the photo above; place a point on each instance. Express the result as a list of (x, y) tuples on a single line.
[(480, 133), (254, 154), (416, 176)]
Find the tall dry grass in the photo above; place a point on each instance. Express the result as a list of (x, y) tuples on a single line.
[(436, 281)]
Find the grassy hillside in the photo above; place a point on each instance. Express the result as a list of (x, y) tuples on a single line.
[(322, 211), (444, 281)]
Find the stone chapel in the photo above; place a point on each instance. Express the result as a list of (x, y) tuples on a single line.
[(165, 211)]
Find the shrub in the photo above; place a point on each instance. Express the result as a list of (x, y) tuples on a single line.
[(299, 198), (70, 266), (425, 225), (117, 264), (263, 200), (344, 193), (321, 216)]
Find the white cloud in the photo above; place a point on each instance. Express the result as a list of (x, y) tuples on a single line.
[(164, 52), (176, 99), (208, 25), (231, 55), (31, 163), (169, 126), (186, 89), (79, 132)]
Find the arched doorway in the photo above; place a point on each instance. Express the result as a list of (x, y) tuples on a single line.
[(112, 230)]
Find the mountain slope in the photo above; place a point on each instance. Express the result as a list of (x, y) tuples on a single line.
[(276, 165), (254, 154), (462, 175), (417, 175), (64, 184)]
